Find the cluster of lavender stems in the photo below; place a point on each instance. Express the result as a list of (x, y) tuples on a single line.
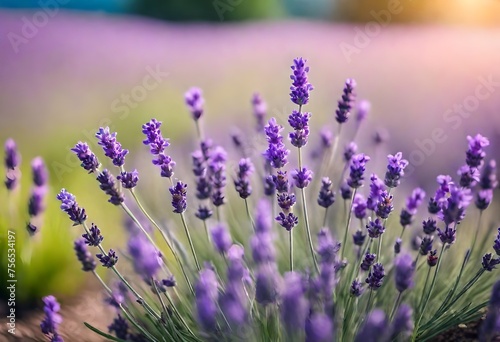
[(359, 279)]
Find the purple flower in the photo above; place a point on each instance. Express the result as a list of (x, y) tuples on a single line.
[(433, 206), (376, 276), (86, 156), (395, 169), (490, 327), (287, 221), (302, 177), (262, 248), (375, 228), (489, 263), (52, 320), (356, 288), (108, 185), (349, 151), (453, 207), (345, 192), (179, 194), (263, 221), (12, 178), (286, 201), (359, 206), (448, 235), (405, 218), (397, 245), (404, 270), (357, 170), (281, 182), (217, 170), (496, 243), (363, 108), (469, 176), (108, 260), (207, 293), (294, 305), (300, 89), (326, 196), (376, 189), (277, 155), (111, 147), (12, 156), (221, 238), (415, 200), (358, 238), (368, 261), (488, 179), (475, 154), (36, 202), (31, 228), (119, 327), (166, 165), (84, 256), (194, 101), (327, 247), (429, 226), (300, 123), (145, 258), (94, 237), (259, 111), (484, 198), (70, 207), (203, 212), (426, 245), (346, 102), (402, 324), (154, 139), (432, 258), (319, 328), (268, 284), (242, 182), (374, 328), (169, 281), (129, 179), (40, 173), (269, 186)]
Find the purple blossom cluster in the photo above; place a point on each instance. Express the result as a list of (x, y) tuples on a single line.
[(52, 319), (157, 145)]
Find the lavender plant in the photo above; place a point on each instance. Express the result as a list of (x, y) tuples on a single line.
[(261, 275)]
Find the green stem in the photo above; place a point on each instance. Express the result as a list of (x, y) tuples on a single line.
[(395, 307), (207, 232), (477, 231), (368, 303), (290, 235), (308, 230), (325, 217), (430, 290), (249, 215), (347, 225), (190, 241)]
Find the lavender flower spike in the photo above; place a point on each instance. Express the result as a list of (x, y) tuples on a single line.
[(326, 196), (299, 121), (402, 325), (294, 306), (145, 257), (395, 169), (363, 108), (404, 270), (40, 173), (300, 88), (221, 238), (111, 147), (70, 207), (268, 284), (475, 154), (12, 156), (179, 194), (206, 291), (108, 260), (242, 181), (36, 204), (357, 170), (52, 319), (375, 277), (94, 238), (488, 179), (346, 103), (108, 185), (302, 177), (374, 327), (88, 159), (259, 111), (84, 256), (194, 101), (319, 328)]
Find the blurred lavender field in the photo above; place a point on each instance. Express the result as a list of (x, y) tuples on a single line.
[(74, 72)]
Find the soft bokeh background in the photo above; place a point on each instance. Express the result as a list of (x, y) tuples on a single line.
[(68, 67)]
